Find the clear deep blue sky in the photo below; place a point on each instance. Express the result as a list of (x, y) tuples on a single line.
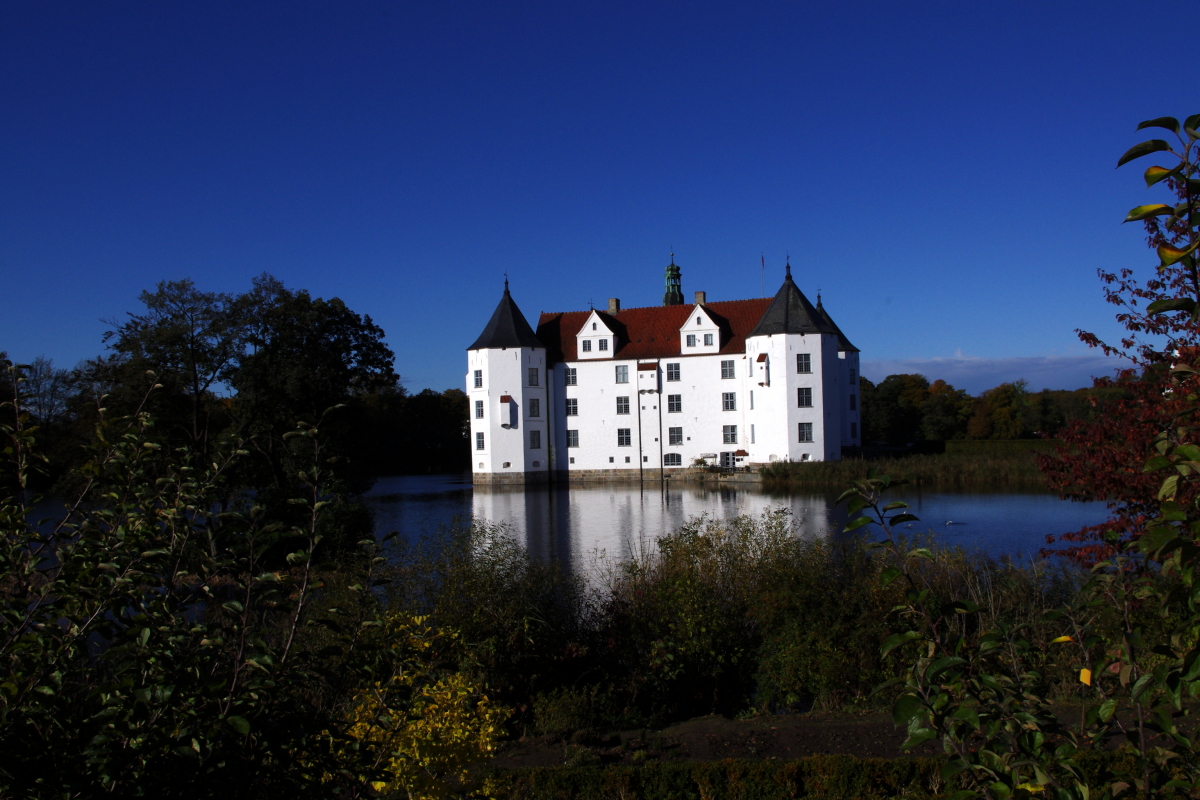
[(943, 172)]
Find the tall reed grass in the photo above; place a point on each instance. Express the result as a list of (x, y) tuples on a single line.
[(997, 470)]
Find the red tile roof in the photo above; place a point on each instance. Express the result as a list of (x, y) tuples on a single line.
[(652, 332)]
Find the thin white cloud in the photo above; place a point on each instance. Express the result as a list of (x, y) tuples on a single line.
[(979, 374)]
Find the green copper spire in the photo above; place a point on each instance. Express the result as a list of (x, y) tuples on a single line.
[(674, 293)]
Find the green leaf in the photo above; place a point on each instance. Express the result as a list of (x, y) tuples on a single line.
[(1156, 174), (1172, 304), (888, 575), (895, 505), (1192, 122), (1169, 123), (907, 707), (1144, 212), (899, 518), (239, 724), (897, 639), (857, 523), (1143, 683), (943, 664), (1169, 254), (1108, 708), (1143, 149)]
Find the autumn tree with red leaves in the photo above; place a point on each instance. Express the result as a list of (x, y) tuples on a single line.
[(1103, 459)]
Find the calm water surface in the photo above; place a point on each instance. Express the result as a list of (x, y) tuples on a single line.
[(574, 524)]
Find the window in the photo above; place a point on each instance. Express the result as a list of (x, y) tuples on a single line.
[(729, 401), (479, 441), (674, 436), (806, 431), (626, 459), (604, 344), (533, 376), (593, 326), (854, 402), (672, 460), (729, 432), (803, 363), (672, 372), (727, 369), (572, 459), (853, 430), (804, 398), (751, 434), (571, 376), (572, 407), (751, 401), (478, 379), (708, 340), (572, 438), (587, 345), (691, 340), (535, 440), (535, 407), (478, 409), (622, 373), (698, 320), (622, 405), (623, 437), (851, 377), (674, 403)]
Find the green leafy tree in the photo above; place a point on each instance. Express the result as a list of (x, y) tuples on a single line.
[(945, 412)]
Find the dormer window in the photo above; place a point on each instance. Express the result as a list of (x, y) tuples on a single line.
[(593, 326), (708, 340), (698, 322), (604, 344), (587, 345), (691, 340)]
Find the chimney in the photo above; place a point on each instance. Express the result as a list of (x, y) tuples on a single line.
[(699, 298), (614, 305)]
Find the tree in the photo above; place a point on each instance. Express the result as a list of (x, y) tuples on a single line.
[(191, 341), (1001, 413), (945, 412), (892, 411), (1102, 459)]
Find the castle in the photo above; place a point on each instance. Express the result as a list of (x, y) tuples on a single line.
[(641, 392)]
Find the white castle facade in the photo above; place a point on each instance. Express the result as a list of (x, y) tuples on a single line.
[(642, 392)]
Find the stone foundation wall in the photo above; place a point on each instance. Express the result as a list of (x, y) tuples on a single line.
[(511, 478)]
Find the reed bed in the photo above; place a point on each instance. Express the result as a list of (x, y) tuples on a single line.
[(996, 470)]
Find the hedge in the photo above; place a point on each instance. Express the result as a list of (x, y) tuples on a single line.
[(1001, 445)]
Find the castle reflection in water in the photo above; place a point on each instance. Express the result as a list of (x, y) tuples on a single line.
[(574, 525)]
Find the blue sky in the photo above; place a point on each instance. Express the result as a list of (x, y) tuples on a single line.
[(943, 172)]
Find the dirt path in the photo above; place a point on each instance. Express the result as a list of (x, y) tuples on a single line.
[(712, 738)]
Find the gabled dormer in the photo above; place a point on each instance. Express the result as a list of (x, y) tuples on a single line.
[(597, 338), (700, 334)]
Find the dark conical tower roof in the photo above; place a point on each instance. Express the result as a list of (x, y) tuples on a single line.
[(790, 312), (506, 328), (844, 345)]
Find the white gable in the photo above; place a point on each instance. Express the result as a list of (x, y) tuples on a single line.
[(700, 334), (595, 339)]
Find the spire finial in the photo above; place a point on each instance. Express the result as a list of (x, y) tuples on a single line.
[(506, 282), (788, 266)]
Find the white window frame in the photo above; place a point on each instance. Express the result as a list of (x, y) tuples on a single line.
[(535, 408), (587, 345), (603, 345), (535, 440), (691, 340), (572, 438), (480, 441), (572, 407), (624, 437), (622, 373), (729, 434), (622, 405), (674, 404), (533, 376), (728, 370), (803, 363), (478, 409), (674, 437), (729, 401), (478, 379), (803, 392), (804, 429), (672, 460), (572, 376), (672, 371)]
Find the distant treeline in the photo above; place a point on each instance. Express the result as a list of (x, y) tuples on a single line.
[(212, 366), (904, 409)]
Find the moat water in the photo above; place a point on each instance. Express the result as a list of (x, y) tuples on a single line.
[(575, 524)]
